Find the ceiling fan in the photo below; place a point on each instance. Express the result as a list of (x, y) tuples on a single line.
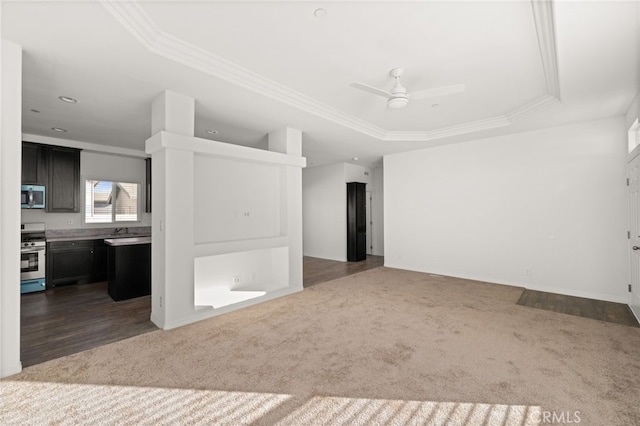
[(398, 97)]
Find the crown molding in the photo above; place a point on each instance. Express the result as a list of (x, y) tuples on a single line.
[(444, 132), (135, 20), (536, 106), (545, 31)]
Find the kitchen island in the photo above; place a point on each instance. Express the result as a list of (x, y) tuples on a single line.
[(129, 267)]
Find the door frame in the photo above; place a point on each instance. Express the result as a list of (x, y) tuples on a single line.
[(634, 292)]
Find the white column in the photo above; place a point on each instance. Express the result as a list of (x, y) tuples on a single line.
[(289, 141), (172, 206), (174, 113), (10, 177)]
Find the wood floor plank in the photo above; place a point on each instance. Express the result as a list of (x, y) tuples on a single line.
[(617, 313), (75, 318), (322, 270), (70, 319)]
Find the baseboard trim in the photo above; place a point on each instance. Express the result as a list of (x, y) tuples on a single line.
[(318, 256), (636, 313)]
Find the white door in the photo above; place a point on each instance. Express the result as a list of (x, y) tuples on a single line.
[(634, 233), (369, 206)]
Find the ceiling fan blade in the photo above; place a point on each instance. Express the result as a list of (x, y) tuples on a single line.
[(438, 91), (371, 89)]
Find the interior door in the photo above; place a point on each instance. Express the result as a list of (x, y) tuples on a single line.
[(369, 223), (356, 222), (634, 233)]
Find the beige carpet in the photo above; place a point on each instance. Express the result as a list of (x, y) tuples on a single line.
[(380, 347)]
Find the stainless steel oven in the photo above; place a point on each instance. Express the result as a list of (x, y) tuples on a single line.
[(32, 257)]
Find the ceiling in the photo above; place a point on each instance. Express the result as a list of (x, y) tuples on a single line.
[(254, 67)]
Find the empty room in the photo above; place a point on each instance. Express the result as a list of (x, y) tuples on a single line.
[(320, 213)]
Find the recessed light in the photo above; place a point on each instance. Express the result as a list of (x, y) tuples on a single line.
[(212, 132), (34, 110), (320, 13), (435, 105), (68, 99), (59, 129), (355, 158)]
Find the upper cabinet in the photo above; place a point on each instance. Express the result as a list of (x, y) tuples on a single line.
[(58, 169), (34, 169), (63, 189)]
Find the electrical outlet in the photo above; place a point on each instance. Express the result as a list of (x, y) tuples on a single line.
[(70, 222), (528, 271), (236, 279), (161, 301)]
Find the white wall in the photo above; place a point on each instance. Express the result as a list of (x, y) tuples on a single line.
[(324, 216), (324, 201), (357, 173), (378, 212), (10, 153), (552, 202), (633, 112), (98, 165), (244, 201)]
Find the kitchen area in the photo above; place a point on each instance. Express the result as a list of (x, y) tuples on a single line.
[(85, 251)]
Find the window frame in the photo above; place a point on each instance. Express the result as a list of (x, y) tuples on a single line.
[(113, 222)]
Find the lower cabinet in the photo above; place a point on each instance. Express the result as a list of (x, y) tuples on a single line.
[(76, 262), (129, 271), (100, 254)]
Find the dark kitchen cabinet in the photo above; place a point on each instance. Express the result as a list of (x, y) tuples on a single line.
[(34, 168), (70, 262), (63, 190), (129, 271), (58, 169), (356, 222), (100, 254), (147, 200), (76, 262)]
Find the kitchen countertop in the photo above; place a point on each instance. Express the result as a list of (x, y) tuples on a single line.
[(78, 234), (127, 241), (98, 237)]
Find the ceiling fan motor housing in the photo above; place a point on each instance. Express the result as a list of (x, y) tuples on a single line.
[(398, 98)]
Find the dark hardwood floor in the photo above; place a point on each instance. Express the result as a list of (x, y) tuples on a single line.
[(617, 313), (317, 271), (70, 319), (75, 318)]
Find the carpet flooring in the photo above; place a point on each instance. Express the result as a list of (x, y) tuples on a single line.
[(383, 346)]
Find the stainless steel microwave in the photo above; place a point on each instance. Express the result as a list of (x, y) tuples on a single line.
[(32, 197)]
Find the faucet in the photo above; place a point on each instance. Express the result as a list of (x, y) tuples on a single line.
[(126, 230)]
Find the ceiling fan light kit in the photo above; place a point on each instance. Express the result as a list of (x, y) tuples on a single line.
[(398, 102), (398, 98)]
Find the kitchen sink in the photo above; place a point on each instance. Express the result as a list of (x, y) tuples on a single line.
[(129, 235)]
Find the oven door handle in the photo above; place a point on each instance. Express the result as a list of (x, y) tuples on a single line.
[(30, 249)]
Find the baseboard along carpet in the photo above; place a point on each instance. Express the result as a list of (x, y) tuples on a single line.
[(383, 346)]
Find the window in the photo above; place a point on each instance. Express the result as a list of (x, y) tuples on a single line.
[(110, 202)]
